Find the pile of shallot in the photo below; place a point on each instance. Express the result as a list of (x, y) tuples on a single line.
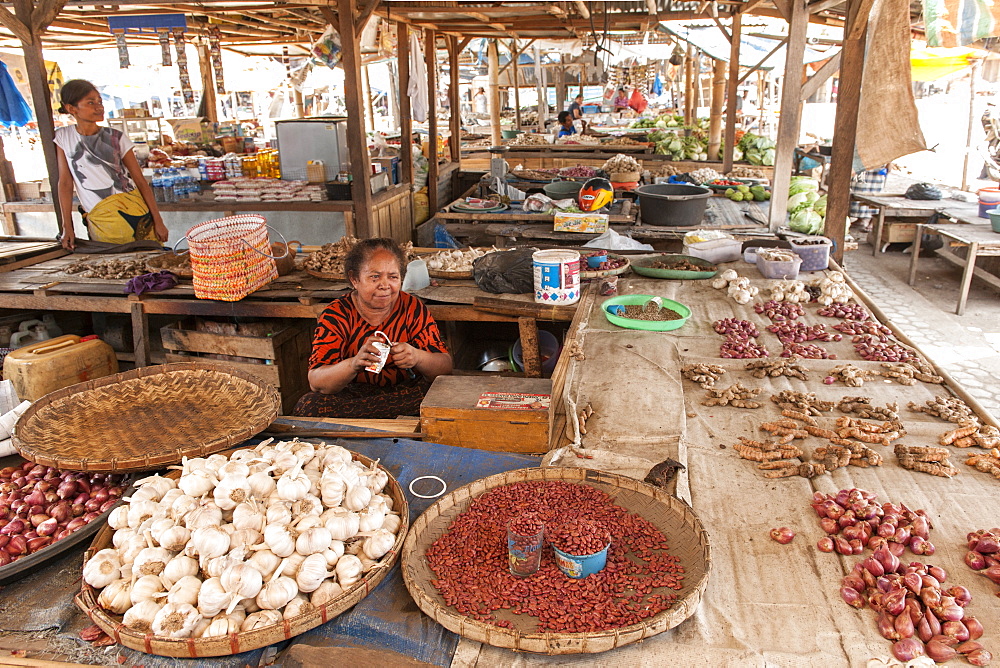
[(40, 505), (855, 520), (984, 553), (240, 543)]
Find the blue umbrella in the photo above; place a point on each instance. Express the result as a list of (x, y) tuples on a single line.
[(13, 109)]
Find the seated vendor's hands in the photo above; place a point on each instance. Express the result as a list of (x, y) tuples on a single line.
[(366, 355), (404, 355)]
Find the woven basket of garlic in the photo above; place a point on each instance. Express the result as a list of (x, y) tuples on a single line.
[(229, 554), (454, 262)]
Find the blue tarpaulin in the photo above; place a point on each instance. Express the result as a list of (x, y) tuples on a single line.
[(14, 111)]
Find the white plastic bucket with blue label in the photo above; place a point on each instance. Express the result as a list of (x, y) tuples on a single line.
[(557, 276)]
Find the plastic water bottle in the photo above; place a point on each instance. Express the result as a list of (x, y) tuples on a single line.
[(178, 185), (169, 194), (158, 185), (194, 185)]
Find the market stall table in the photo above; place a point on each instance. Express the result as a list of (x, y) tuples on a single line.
[(979, 239), (898, 206)]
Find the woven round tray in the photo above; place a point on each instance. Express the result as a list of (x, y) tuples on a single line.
[(587, 273), (145, 419), (235, 643), (688, 541), (437, 273)]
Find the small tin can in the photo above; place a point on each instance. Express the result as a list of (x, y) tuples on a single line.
[(383, 356)]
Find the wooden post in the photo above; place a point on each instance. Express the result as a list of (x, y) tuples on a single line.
[(361, 190), (715, 117), (493, 60), (688, 85), (430, 56), (543, 99), (731, 86), (455, 116), (34, 63), (791, 112), (838, 181), (972, 113), (208, 84), (561, 89), (405, 119), (366, 93), (696, 99), (517, 84)]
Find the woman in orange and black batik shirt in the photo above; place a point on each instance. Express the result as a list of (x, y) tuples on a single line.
[(345, 332)]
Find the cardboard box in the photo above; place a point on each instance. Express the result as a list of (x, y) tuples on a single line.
[(590, 223), (488, 413)]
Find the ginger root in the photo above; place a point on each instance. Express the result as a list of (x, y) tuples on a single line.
[(863, 407), (908, 373), (774, 368), (930, 460), (802, 401), (950, 409), (703, 374), (987, 462), (851, 375), (734, 395)]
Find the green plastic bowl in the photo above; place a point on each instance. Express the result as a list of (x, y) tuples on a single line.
[(642, 267), (510, 134), (994, 215), (648, 325)]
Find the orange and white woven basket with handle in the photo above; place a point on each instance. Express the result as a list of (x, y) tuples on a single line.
[(230, 257)]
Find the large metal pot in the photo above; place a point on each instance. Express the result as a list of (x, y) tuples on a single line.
[(672, 204), (562, 189)]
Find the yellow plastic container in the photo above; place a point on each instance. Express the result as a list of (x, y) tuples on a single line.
[(50, 365)]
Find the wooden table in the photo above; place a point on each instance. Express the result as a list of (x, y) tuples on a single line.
[(981, 241), (898, 206)]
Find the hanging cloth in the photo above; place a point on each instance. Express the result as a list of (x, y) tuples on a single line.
[(417, 89), (13, 109)]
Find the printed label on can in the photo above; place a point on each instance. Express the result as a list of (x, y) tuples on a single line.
[(383, 356), (557, 276)]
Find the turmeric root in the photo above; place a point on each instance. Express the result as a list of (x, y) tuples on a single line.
[(908, 373), (770, 452), (988, 462), (800, 416), (819, 431), (949, 437), (788, 469), (943, 469), (950, 409), (925, 459)]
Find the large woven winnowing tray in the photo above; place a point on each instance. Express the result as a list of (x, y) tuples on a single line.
[(688, 541), (145, 419)]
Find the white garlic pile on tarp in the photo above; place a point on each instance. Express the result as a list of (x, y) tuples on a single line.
[(240, 543)]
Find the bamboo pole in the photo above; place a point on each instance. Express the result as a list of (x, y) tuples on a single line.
[(405, 118), (366, 93), (972, 112), (455, 112), (688, 85), (731, 88), (715, 117), (543, 101), (494, 98), (430, 57), (516, 54), (357, 142)]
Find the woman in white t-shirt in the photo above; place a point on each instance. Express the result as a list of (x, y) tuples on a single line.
[(119, 205)]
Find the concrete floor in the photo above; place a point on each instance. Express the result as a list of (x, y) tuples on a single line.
[(967, 347)]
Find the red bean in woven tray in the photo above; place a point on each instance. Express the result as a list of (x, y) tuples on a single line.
[(526, 524), (470, 562)]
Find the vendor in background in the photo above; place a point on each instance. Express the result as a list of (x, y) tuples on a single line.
[(479, 105), (621, 101), (576, 109), (566, 127), (345, 331), (117, 203), (866, 182)]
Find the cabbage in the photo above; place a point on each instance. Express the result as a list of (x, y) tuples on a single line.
[(796, 202), (769, 157), (819, 206), (806, 221), (800, 184), (661, 124)]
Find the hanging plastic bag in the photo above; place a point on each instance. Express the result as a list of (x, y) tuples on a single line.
[(637, 101), (326, 50)]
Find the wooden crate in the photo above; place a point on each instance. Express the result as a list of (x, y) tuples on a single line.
[(448, 414), (280, 360), (895, 233)]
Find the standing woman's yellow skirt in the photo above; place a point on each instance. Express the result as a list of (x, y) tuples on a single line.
[(120, 218)]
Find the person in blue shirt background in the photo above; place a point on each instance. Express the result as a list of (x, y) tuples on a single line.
[(566, 127)]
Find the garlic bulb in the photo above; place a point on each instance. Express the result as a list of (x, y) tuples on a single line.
[(311, 573), (310, 505), (116, 597), (343, 525), (293, 485), (242, 581), (175, 621), (248, 516), (357, 497), (377, 480), (371, 518), (199, 628), (177, 568), (378, 544), (245, 538), (151, 561), (145, 588), (168, 499), (348, 570), (184, 590), (297, 606), (277, 593), (279, 539), (197, 483), (208, 542), (118, 519), (158, 526), (175, 538), (290, 564), (366, 563), (102, 569), (140, 511), (278, 513), (223, 625), (392, 523), (264, 561), (335, 454), (231, 491), (156, 485), (215, 462), (206, 514), (385, 500), (332, 488), (261, 484), (182, 505), (140, 617), (213, 597), (260, 619), (313, 540), (250, 605), (282, 462), (354, 547), (332, 556), (234, 467), (123, 536), (327, 591)]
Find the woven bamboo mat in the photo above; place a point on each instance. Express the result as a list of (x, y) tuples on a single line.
[(145, 419), (684, 533)]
